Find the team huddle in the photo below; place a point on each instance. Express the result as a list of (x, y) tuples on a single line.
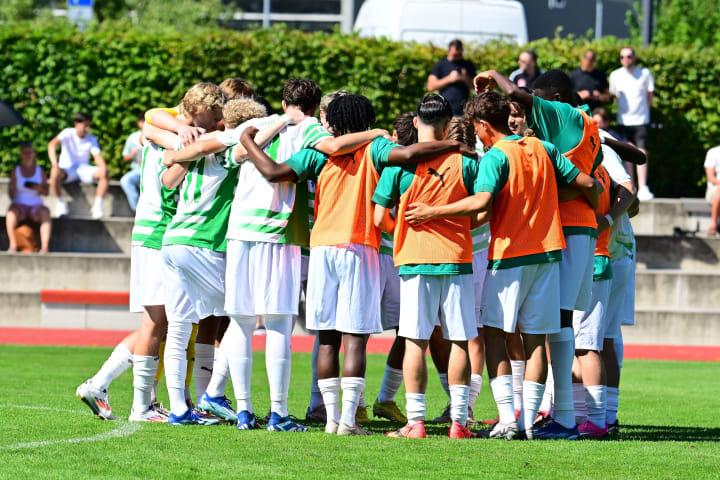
[(498, 240)]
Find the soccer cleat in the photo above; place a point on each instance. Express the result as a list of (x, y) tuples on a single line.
[(551, 430), (415, 430), (158, 407), (61, 209), (218, 406), (589, 430), (150, 415), (97, 212), (97, 400), (284, 424), (361, 415), (505, 431), (458, 431), (388, 410), (444, 416), (614, 429), (191, 417), (344, 430), (247, 421), (331, 427), (316, 415)]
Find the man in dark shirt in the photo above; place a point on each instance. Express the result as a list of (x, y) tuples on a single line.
[(527, 71), (590, 83), (452, 77)]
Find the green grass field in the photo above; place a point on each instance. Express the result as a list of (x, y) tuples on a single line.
[(669, 416)]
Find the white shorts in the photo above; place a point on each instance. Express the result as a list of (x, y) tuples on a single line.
[(590, 326), (621, 302), (389, 293), (146, 278), (480, 264), (425, 299), (85, 173), (343, 291), (527, 296), (262, 278), (194, 283), (576, 272)]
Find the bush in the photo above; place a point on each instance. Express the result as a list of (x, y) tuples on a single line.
[(50, 73)]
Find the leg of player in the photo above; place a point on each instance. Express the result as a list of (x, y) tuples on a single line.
[(240, 360), (500, 373), (516, 352), (440, 354), (204, 354), (385, 405), (578, 390), (533, 385), (214, 401), (328, 367), (316, 410), (352, 382), (145, 365), (476, 350), (562, 353), (415, 378), (94, 392), (459, 380)]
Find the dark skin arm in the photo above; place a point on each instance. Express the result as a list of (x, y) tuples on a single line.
[(626, 151), (418, 152), (272, 172), (623, 200), (490, 79)]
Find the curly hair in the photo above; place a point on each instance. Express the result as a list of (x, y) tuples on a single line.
[(350, 113), (236, 87), (241, 109), (491, 107), (405, 129), (203, 97), (461, 130)]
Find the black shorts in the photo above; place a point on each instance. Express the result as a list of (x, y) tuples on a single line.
[(636, 134)]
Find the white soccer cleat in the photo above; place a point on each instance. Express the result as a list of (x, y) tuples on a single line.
[(331, 427), (61, 208), (95, 399), (345, 430), (507, 431), (150, 415)]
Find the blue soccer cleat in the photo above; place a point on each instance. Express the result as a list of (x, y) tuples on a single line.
[(190, 417), (218, 406), (551, 430), (284, 424), (247, 421)]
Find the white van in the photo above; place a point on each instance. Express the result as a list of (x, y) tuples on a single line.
[(439, 21)]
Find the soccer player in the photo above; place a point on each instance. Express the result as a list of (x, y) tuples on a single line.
[(435, 268), (518, 178), (343, 298)]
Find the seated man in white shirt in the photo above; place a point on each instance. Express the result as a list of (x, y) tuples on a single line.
[(712, 194), (77, 145)]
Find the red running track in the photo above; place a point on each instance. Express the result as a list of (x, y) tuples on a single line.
[(304, 343)]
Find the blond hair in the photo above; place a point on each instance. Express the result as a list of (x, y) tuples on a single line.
[(202, 97), (325, 100), (461, 130), (241, 109)]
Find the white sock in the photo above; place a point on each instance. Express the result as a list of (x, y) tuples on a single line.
[(352, 388), (619, 346), (176, 343), (98, 202), (144, 370), (476, 382), (518, 374), (203, 367), (240, 360), (444, 382), (562, 353), (531, 399), (459, 399), (415, 407), (501, 387), (221, 369), (612, 401), (392, 379), (595, 400), (119, 360), (546, 405), (361, 399), (330, 389), (316, 398), (278, 360), (581, 411)]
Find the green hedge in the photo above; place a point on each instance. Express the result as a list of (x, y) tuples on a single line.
[(50, 73)]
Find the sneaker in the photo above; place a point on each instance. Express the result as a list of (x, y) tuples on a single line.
[(284, 424), (96, 212), (61, 209), (331, 427), (541, 419), (458, 431), (191, 417), (318, 414), (96, 399), (644, 194), (471, 420), (415, 430), (150, 415), (589, 430), (444, 416), (361, 415), (158, 407), (388, 410), (614, 429), (344, 430), (551, 430), (247, 421), (506, 431), (218, 406)]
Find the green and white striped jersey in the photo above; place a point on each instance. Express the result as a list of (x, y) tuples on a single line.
[(275, 212), (481, 237), (157, 204), (204, 203)]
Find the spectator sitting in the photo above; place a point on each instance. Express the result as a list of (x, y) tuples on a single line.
[(712, 194), (132, 152), (528, 70), (28, 182)]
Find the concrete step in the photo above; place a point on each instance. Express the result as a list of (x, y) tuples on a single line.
[(662, 215), (79, 198), (689, 326), (73, 234), (691, 253), (677, 289), (72, 271)]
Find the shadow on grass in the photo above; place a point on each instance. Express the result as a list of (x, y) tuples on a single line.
[(668, 433)]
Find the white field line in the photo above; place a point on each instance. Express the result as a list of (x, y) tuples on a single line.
[(124, 429)]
